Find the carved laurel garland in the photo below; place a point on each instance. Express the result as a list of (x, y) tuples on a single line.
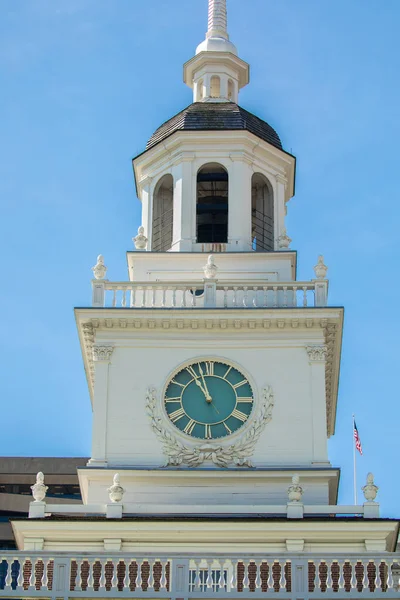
[(238, 454)]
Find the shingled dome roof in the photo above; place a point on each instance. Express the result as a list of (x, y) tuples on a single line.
[(215, 116)]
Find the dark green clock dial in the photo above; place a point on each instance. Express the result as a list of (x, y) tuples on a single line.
[(208, 399)]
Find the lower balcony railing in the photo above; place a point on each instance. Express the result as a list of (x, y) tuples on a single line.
[(300, 576)]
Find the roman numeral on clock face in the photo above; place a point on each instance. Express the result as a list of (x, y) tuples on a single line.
[(245, 400), (177, 383), (171, 400), (189, 427), (176, 415), (239, 415), (237, 385), (209, 368), (208, 434), (192, 372)]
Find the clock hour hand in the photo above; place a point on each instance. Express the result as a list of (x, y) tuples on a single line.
[(207, 396)]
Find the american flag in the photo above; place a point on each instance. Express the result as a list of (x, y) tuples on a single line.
[(357, 439)]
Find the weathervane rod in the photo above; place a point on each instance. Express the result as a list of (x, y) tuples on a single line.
[(217, 19)]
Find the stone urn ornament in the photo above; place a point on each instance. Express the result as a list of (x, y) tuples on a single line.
[(210, 269), (370, 490), (284, 240), (116, 491), (99, 269), (39, 489), (295, 491), (140, 240), (320, 268)]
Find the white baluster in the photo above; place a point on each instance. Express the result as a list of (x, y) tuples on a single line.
[(194, 296), (133, 294), (102, 580), (389, 574), (225, 297), (246, 580), (123, 299), (282, 580), (114, 300), (8, 576), (294, 303), (275, 288), (235, 290), (265, 303), (163, 578), (153, 296), (143, 297), (284, 295), (183, 304), (139, 579), (270, 583), (163, 297), (245, 296), (20, 580), (125, 582), (305, 296), (197, 580), (90, 580), (114, 578), (209, 580), (378, 581), (234, 564), (255, 290), (221, 580), (78, 585), (174, 297), (258, 574), (329, 581)]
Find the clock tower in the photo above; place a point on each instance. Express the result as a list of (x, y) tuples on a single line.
[(213, 363), (213, 375)]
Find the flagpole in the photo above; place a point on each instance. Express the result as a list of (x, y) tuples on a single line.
[(354, 464)]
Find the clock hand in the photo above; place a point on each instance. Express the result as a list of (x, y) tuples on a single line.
[(202, 389), (209, 398)]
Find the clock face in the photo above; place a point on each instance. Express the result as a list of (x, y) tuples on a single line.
[(208, 399)]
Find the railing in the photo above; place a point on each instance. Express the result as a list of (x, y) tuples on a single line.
[(210, 294), (303, 575)]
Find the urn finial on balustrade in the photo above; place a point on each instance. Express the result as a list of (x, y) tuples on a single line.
[(99, 269), (210, 269), (140, 240), (320, 268), (39, 489), (295, 491), (370, 490), (116, 491), (284, 240)]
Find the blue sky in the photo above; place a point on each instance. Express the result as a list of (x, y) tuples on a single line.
[(83, 85)]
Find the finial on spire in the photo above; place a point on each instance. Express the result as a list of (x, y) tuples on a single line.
[(217, 19)]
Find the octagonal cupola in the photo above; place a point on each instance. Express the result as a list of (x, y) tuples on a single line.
[(216, 73)]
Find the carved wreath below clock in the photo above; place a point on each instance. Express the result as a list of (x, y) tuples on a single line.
[(208, 399)]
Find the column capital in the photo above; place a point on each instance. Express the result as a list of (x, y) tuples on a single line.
[(102, 353), (316, 353)]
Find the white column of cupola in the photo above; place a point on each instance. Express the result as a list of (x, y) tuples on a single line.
[(216, 73)]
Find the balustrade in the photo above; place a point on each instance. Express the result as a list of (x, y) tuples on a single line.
[(250, 294), (58, 575)]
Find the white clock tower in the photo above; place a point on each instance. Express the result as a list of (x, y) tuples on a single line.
[(213, 374)]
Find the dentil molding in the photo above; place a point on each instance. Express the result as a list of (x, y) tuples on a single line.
[(238, 454)]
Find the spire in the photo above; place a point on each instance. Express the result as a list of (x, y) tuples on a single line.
[(217, 19)]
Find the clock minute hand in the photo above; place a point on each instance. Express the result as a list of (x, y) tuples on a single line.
[(201, 387), (208, 398)]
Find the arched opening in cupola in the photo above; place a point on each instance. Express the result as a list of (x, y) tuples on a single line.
[(262, 217), (215, 87), (212, 204), (163, 214)]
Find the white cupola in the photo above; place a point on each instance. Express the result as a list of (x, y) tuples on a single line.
[(216, 73)]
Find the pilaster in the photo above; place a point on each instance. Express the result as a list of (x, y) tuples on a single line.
[(317, 358), (147, 208), (184, 204), (239, 207), (279, 207), (102, 357)]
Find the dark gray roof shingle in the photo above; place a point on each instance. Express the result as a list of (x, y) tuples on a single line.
[(215, 116)]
